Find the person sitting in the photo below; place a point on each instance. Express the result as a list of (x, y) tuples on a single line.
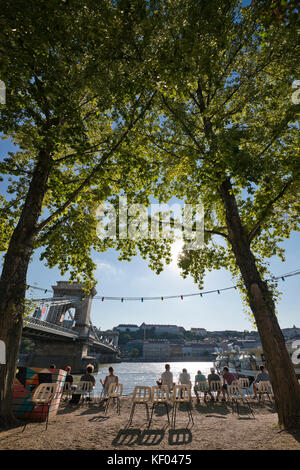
[(261, 377), (167, 377), (201, 379), (69, 378), (185, 378), (87, 377), (213, 377), (109, 379), (228, 378)]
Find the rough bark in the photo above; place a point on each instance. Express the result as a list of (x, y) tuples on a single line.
[(13, 281), (281, 370)]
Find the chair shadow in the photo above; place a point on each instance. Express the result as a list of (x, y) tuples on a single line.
[(127, 437), (131, 437), (216, 409), (180, 436)]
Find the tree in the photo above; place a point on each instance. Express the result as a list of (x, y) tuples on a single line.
[(227, 137), (76, 94)]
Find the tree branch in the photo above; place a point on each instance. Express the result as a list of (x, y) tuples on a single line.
[(96, 169), (255, 230)]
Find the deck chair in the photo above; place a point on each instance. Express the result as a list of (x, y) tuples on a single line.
[(141, 396), (265, 388), (181, 394), (43, 395), (114, 392), (235, 394), (160, 395)]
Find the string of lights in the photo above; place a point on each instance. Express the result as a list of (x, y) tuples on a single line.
[(166, 297)]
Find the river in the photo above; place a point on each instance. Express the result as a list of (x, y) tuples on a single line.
[(131, 374)]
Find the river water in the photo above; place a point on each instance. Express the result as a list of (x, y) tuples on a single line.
[(131, 374)]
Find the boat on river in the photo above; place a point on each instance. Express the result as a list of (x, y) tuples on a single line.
[(246, 363)]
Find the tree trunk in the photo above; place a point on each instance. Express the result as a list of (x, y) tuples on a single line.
[(13, 282), (282, 373)]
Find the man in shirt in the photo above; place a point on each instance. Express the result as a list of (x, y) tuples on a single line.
[(228, 378), (167, 377), (201, 386), (213, 377), (263, 376)]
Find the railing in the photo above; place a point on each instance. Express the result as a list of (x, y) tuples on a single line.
[(37, 321)]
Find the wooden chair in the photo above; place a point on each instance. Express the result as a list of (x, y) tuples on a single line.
[(114, 392), (160, 395), (181, 394), (141, 396)]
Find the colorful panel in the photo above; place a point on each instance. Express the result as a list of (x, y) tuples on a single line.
[(26, 381)]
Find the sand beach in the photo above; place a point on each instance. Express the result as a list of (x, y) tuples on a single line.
[(217, 426)]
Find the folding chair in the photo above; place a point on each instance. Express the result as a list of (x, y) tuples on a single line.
[(235, 394), (181, 394), (160, 395), (265, 388), (43, 395), (141, 396), (114, 392)]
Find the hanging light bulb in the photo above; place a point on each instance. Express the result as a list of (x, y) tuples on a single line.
[(181, 297)]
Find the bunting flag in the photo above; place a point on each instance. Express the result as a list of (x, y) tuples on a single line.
[(162, 298)]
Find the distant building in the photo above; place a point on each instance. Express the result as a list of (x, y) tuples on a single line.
[(199, 331), (160, 329), (126, 327), (290, 333), (156, 350)]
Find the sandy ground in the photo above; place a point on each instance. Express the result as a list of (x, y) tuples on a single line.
[(216, 426)]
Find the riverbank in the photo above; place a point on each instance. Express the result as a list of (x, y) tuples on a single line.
[(216, 426)]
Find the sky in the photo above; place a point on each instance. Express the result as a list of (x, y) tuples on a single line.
[(212, 311)]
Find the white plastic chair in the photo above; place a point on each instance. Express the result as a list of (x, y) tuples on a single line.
[(244, 384), (43, 395), (181, 394), (160, 395), (265, 388), (84, 388), (67, 391), (235, 394), (202, 387), (215, 386), (114, 392), (141, 396)]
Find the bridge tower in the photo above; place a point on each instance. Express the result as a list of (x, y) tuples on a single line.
[(79, 300)]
